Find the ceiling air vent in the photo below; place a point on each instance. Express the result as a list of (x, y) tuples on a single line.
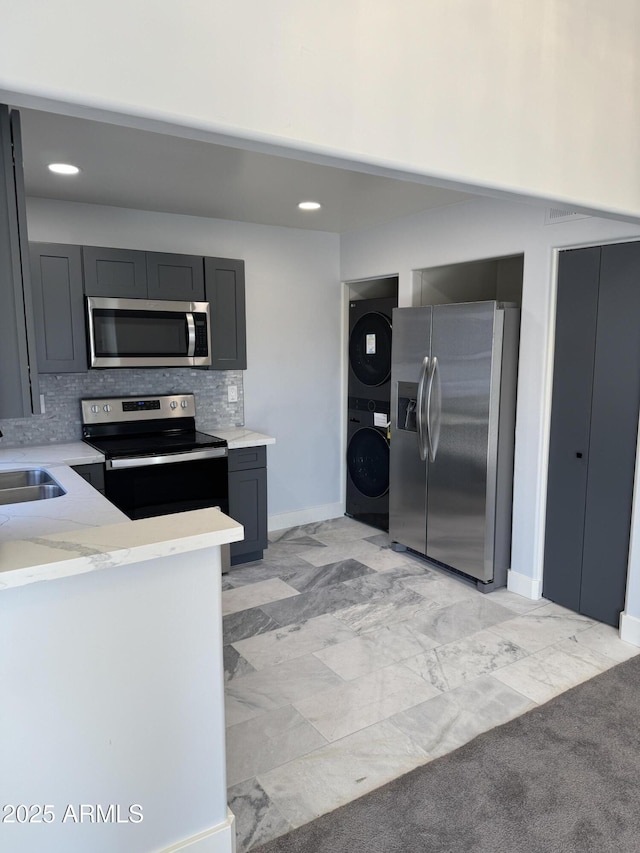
[(553, 215)]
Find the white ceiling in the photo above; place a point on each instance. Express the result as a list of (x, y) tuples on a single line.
[(144, 170)]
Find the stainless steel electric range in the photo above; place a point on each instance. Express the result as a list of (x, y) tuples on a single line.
[(156, 461)]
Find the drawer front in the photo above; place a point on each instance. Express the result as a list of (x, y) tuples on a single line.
[(247, 457)]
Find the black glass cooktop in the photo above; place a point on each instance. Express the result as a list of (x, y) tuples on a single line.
[(154, 444)]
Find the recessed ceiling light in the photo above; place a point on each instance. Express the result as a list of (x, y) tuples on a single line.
[(63, 168), (309, 205)]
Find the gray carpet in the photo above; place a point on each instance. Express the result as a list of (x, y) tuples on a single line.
[(564, 777)]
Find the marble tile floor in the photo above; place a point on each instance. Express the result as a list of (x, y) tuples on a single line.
[(348, 664)]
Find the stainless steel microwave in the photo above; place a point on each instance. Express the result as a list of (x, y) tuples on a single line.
[(148, 333)]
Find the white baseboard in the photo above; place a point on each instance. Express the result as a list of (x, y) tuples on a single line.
[(524, 585), (305, 516), (218, 839), (630, 629)]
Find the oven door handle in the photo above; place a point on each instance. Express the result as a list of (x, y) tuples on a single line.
[(144, 461)]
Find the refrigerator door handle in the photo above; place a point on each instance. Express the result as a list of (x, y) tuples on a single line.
[(421, 422), (434, 409)]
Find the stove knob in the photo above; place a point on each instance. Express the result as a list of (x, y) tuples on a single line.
[(173, 405), (95, 409), (106, 407), (184, 404)]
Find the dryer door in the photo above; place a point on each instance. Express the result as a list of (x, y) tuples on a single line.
[(368, 462), (370, 349)]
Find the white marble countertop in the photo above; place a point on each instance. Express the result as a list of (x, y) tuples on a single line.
[(69, 453), (79, 453), (81, 530), (239, 437), (75, 552), (81, 507)]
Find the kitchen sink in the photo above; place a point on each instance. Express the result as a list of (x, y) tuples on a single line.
[(27, 477), (32, 484)]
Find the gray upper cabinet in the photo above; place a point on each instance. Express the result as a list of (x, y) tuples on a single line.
[(62, 274), (224, 290), (18, 375), (132, 274), (58, 306), (120, 273), (171, 276)]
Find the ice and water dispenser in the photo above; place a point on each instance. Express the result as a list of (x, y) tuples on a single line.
[(407, 403)]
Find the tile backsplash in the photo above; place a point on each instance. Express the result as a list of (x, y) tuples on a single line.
[(63, 392)]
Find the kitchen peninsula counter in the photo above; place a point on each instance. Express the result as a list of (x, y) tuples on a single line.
[(111, 657), (62, 555), (81, 531), (82, 506), (112, 671)]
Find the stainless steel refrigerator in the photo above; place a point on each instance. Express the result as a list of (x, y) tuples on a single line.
[(453, 389)]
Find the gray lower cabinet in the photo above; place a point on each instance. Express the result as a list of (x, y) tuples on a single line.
[(58, 307), (93, 473), (224, 290), (18, 371), (248, 502), (594, 430)]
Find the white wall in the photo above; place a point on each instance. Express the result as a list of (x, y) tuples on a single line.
[(292, 384), (534, 98), (484, 229)]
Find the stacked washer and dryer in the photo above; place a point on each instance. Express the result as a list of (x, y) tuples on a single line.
[(369, 392)]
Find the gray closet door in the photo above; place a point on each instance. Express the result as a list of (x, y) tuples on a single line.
[(614, 428), (576, 315), (596, 399)]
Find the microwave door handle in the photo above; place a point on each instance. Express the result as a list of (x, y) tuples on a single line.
[(191, 331)]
